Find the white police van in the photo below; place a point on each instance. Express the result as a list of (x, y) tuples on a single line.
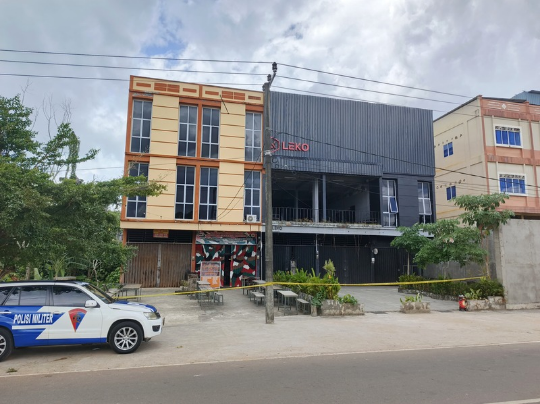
[(38, 313)]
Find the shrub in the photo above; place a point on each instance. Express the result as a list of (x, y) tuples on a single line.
[(347, 299)]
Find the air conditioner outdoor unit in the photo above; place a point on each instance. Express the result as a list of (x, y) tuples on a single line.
[(251, 218)]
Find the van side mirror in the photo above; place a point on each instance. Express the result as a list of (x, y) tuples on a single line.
[(90, 304)]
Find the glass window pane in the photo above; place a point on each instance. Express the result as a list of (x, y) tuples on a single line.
[(188, 211), (68, 296), (190, 150), (214, 149), (215, 135), (393, 205), (190, 175), (137, 109), (131, 209), (183, 132), (248, 179), (180, 193), (179, 211), (212, 211), (145, 145), (136, 127), (33, 296), (257, 121), (213, 176), (505, 137), (249, 154), (143, 170), (134, 170), (141, 209), (206, 116), (205, 152), (204, 195), (256, 211), (257, 139), (184, 111), (498, 136), (147, 110), (522, 186), (215, 117), (193, 115), (448, 194), (256, 179), (213, 195), (146, 129), (189, 194), (427, 207), (249, 120), (206, 134), (13, 299), (247, 197), (511, 138), (518, 139), (256, 198), (180, 174), (192, 133), (502, 183)]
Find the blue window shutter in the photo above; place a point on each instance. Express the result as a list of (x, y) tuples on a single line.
[(522, 186), (509, 185), (445, 148), (505, 137), (511, 138), (393, 205), (518, 139), (498, 136), (450, 148), (448, 194), (502, 183), (453, 191)]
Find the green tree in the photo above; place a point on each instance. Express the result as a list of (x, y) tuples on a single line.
[(411, 240), (45, 223), (484, 213)]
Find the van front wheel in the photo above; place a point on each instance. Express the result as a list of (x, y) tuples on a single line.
[(6, 344)]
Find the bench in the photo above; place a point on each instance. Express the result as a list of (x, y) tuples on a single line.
[(218, 296), (304, 305), (258, 297)]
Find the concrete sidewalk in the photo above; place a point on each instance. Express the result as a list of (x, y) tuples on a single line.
[(219, 333)]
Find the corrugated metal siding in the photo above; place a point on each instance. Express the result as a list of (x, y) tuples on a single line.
[(398, 139), (533, 98), (325, 166)]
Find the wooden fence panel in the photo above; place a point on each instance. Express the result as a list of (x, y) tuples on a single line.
[(143, 267), (175, 263)]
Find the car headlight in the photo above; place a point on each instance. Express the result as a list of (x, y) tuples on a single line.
[(151, 315)]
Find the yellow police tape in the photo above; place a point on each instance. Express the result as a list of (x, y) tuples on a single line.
[(305, 284)]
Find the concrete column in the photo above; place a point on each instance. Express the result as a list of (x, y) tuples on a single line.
[(315, 201), (324, 197), (296, 215)]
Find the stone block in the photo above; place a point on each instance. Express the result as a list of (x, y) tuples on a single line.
[(415, 307)]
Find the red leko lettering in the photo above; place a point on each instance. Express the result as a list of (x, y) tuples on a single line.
[(305, 147)]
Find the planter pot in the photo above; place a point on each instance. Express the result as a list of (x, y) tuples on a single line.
[(314, 311), (497, 303), (415, 307), (476, 305), (334, 308)]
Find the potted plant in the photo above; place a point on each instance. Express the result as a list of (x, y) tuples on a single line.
[(414, 304)]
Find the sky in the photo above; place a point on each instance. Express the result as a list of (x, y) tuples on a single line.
[(462, 47)]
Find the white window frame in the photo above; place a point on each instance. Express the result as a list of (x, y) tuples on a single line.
[(423, 199), (249, 208), (388, 209), (209, 143), (142, 119), (206, 204), (507, 145), (252, 134), (187, 124), (137, 200), (513, 174), (184, 186)]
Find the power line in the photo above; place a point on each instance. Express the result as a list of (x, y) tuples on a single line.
[(370, 91), (130, 68), (132, 57), (373, 81)]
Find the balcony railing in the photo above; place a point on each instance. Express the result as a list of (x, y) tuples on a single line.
[(287, 214)]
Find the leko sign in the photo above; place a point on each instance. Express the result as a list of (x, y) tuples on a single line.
[(290, 146)]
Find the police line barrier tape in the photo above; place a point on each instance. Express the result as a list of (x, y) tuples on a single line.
[(305, 284)]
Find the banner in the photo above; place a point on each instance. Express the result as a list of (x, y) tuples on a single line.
[(210, 272)]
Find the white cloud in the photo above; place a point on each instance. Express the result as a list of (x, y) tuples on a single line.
[(461, 46)]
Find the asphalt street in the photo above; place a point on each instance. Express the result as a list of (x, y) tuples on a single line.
[(474, 375)]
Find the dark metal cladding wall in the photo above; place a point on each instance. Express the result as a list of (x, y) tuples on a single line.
[(398, 139)]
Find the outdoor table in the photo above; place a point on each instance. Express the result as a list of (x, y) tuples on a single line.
[(286, 296), (246, 280), (203, 285), (136, 287), (277, 288)]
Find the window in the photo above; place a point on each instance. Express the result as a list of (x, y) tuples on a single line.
[(4, 292), (208, 194), (69, 296), (390, 206), (448, 149), (136, 205), (252, 194), (512, 184), (210, 133), (450, 193), (187, 140), (424, 202), (140, 126), (507, 136), (253, 136), (185, 188), (33, 296)]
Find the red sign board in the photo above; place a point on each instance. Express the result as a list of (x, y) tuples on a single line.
[(161, 233), (290, 146)]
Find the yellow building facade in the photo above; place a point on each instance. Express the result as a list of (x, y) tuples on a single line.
[(204, 143), (488, 145)]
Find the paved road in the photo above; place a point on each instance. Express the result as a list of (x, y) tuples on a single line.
[(474, 375)]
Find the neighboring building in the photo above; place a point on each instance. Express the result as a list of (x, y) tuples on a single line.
[(346, 174), (489, 145), (533, 96)]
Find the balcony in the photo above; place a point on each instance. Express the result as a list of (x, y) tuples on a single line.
[(337, 216)]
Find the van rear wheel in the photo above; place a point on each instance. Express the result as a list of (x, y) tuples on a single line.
[(6, 344), (125, 337)]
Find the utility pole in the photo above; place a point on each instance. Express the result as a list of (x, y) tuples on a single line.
[(268, 232)]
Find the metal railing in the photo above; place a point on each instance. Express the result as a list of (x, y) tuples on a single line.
[(288, 214)]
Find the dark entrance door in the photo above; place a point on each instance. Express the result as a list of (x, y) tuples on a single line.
[(226, 268)]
